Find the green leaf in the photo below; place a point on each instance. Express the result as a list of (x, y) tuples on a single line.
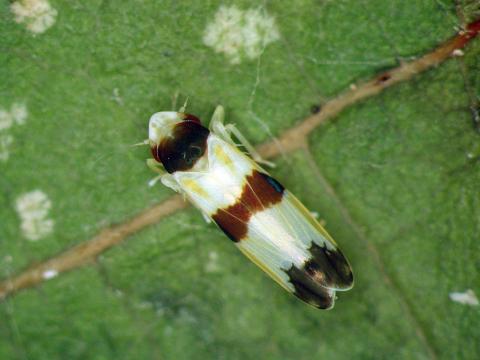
[(395, 178)]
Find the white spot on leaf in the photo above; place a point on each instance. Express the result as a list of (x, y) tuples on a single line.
[(5, 141), (17, 114), (238, 33), (49, 274), (5, 120), (211, 265), (458, 52), (37, 15), (467, 298), (33, 208)]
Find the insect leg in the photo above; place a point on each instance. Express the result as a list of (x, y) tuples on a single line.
[(216, 124), (144, 142), (184, 107), (155, 166), (166, 178), (169, 181), (226, 131), (231, 129)]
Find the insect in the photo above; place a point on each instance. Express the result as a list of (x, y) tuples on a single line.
[(264, 220)]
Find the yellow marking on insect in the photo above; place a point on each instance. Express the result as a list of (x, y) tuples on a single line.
[(195, 187), (223, 157)]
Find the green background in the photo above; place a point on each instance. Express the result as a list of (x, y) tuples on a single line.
[(396, 179)]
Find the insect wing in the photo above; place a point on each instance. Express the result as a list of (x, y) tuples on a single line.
[(293, 248)]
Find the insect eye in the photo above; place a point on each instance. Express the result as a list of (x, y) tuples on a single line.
[(186, 145), (195, 150), (192, 154)]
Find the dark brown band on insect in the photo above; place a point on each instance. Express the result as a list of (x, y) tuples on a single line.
[(190, 117), (181, 150), (259, 192)]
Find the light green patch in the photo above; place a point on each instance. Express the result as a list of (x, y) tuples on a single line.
[(403, 165)]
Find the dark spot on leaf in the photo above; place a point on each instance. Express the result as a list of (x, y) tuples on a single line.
[(383, 78), (315, 109)]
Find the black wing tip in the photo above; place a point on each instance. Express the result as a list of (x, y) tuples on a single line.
[(317, 280), (329, 268), (325, 304), (309, 291)]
